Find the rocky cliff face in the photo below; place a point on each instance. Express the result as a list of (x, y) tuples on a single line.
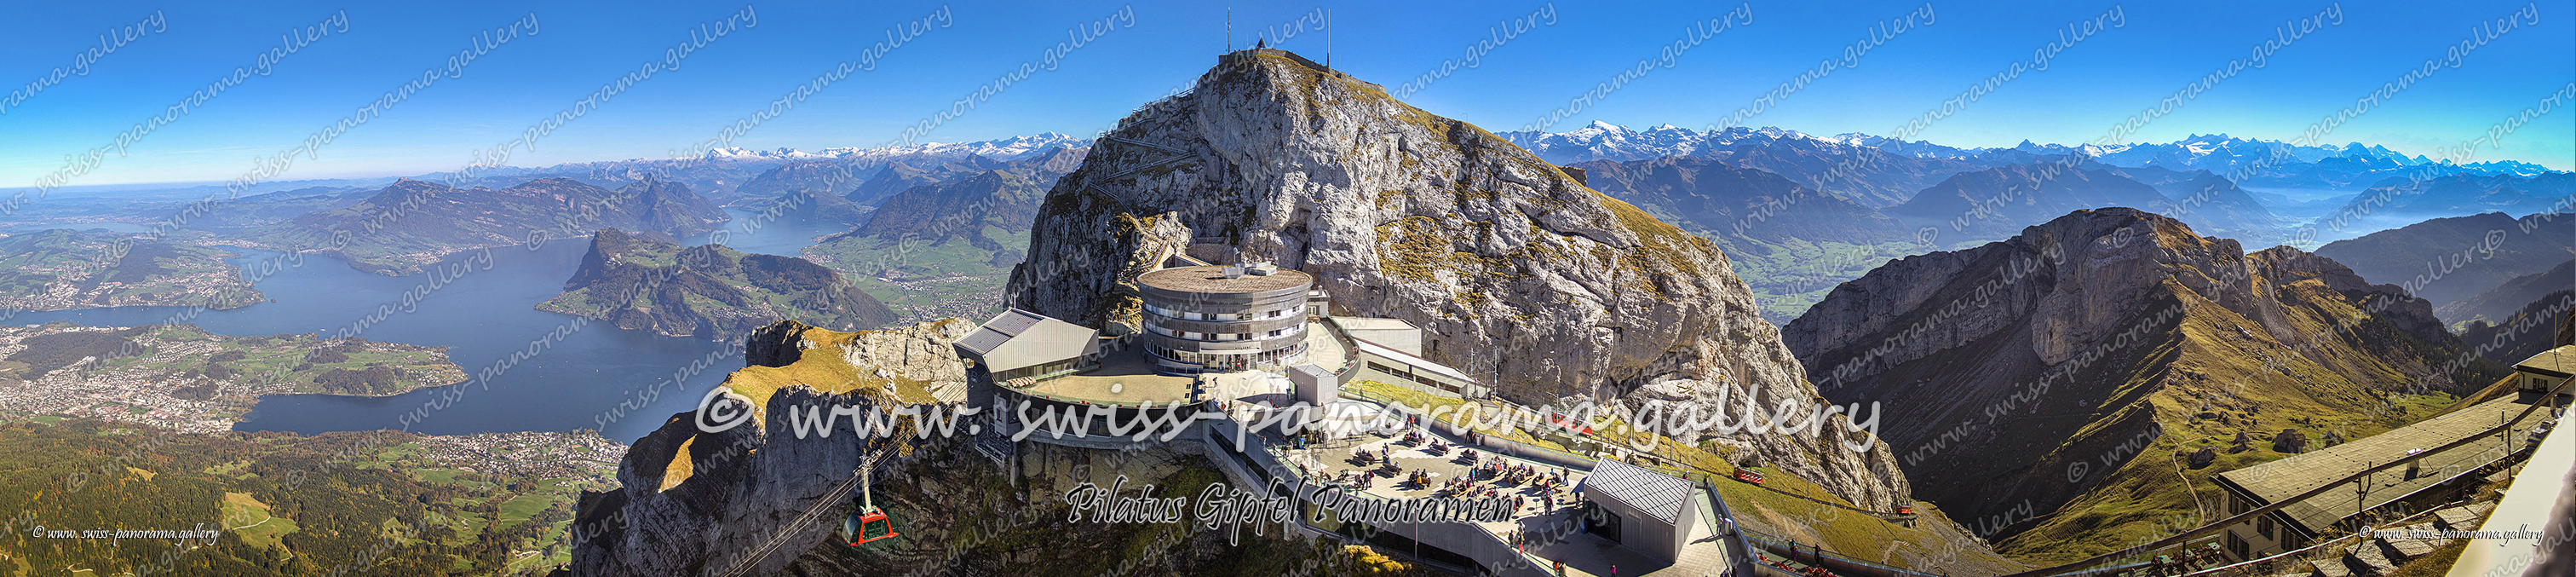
[(1518, 274), (2057, 368), (750, 498)]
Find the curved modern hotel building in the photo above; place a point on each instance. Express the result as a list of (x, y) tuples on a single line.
[(1224, 318)]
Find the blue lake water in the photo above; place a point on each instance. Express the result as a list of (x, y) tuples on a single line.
[(574, 374)]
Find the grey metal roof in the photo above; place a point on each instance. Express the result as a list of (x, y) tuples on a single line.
[(1655, 493), (2557, 362), (1018, 338), (2277, 480)]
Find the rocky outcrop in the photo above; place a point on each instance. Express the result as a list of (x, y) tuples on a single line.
[(2036, 369), (710, 291), (1518, 274), (777, 345), (700, 496)]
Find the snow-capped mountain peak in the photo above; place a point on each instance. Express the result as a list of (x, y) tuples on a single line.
[(1010, 148)]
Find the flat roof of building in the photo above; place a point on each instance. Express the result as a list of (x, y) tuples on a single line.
[(2288, 477), (1655, 493), (1124, 377), (1018, 339), (2558, 362), (1419, 363), (1211, 279), (1372, 324), (1392, 333)]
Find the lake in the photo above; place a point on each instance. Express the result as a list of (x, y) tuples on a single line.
[(576, 372)]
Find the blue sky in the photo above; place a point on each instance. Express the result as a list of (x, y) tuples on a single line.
[(579, 47)]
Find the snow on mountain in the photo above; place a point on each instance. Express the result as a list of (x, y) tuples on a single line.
[(2217, 153), (1606, 141), (2512, 167), (1002, 149)]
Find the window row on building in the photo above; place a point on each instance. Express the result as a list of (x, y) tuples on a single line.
[(1217, 337)]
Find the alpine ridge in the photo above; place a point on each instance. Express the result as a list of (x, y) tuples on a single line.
[(1518, 273)]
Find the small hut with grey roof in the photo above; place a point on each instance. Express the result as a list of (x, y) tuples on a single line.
[(1019, 344)]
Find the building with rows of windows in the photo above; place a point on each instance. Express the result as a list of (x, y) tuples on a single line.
[(1224, 318)]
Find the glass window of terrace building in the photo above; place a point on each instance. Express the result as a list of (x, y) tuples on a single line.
[(1225, 318)]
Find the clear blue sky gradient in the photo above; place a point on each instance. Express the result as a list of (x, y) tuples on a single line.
[(581, 46)]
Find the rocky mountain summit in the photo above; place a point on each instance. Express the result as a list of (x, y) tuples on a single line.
[(1517, 273), (2054, 371)]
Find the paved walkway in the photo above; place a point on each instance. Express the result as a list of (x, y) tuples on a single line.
[(1542, 513)]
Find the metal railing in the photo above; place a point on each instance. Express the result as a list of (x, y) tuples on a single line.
[(1826, 559), (2087, 566)]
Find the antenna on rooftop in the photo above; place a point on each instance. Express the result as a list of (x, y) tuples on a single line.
[(1229, 30)]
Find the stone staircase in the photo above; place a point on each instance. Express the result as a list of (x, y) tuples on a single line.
[(2378, 556)]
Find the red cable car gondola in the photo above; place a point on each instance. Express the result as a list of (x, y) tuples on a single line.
[(866, 522)]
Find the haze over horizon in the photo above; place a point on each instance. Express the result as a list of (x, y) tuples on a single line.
[(1538, 61)]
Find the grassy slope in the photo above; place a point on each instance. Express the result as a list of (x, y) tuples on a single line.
[(2146, 498)]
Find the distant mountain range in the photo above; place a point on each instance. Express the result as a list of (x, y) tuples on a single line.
[(2446, 260), (1717, 197), (2264, 163), (721, 174), (414, 223), (2545, 322), (1998, 202), (2496, 305), (1006, 148), (944, 235)]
